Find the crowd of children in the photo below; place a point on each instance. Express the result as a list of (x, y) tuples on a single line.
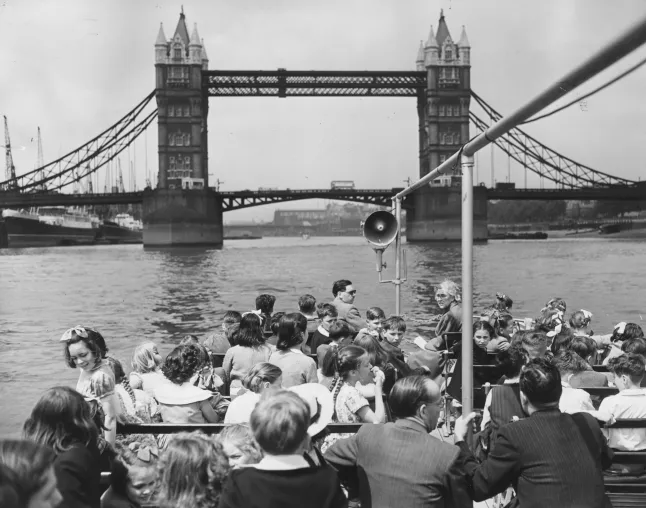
[(277, 380)]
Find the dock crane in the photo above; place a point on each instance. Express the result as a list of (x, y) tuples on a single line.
[(10, 174), (122, 188)]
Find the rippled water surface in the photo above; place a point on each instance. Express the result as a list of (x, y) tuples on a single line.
[(131, 294)]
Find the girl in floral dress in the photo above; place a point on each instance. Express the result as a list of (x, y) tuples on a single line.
[(353, 366)]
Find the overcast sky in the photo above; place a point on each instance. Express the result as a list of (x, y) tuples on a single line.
[(73, 67)]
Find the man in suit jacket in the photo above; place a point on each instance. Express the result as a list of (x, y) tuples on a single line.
[(344, 295), (551, 458), (399, 463)]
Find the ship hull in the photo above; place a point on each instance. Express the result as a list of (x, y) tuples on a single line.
[(22, 232), (111, 232)]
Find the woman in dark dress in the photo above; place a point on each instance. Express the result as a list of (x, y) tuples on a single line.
[(62, 420)]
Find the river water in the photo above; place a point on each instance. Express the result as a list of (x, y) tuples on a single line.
[(132, 294)]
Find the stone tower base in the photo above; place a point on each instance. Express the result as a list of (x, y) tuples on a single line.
[(179, 217), (436, 215)]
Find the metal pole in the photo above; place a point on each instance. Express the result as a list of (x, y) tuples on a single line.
[(467, 284), (398, 256)]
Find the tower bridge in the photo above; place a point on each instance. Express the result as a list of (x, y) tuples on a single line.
[(183, 210)]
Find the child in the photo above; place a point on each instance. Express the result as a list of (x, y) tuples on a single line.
[(239, 445), (353, 366), (249, 350), (218, 342), (307, 307), (374, 318), (132, 483), (146, 365), (191, 471), (283, 477), (340, 335), (327, 315)]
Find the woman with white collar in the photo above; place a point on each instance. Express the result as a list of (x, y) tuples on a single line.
[(179, 400), (262, 377), (281, 425), (297, 367)]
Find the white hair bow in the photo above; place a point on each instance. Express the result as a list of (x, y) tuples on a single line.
[(586, 314), (620, 327)]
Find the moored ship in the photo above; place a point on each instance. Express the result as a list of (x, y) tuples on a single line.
[(49, 226), (123, 229)]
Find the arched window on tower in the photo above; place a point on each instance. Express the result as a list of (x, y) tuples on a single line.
[(448, 53), (171, 110), (172, 163), (187, 162), (442, 110), (187, 111), (177, 52)]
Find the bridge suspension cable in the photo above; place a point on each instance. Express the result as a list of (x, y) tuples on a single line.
[(89, 157), (589, 94), (541, 159)]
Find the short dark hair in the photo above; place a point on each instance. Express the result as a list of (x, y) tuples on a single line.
[(375, 313), (632, 331), (583, 346), (249, 333), (534, 339), (231, 317), (540, 381), (279, 422), (181, 363), (265, 303), (289, 332), (339, 329), (510, 362), (408, 393), (91, 342), (631, 365), (307, 304), (340, 286), (636, 345), (396, 323), (562, 340), (326, 309), (568, 361)]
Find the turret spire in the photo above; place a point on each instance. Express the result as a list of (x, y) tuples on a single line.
[(420, 52), (181, 29), (442, 30), (431, 42), (205, 57), (161, 36), (195, 38), (464, 41)]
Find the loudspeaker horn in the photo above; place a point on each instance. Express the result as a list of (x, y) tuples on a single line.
[(380, 229)]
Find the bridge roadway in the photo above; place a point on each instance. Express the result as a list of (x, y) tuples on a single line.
[(235, 200)]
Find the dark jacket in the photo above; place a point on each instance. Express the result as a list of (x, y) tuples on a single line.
[(401, 465), (546, 459), (78, 475), (315, 487)]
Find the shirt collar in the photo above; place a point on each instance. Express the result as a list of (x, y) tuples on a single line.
[(282, 462), (409, 423), (633, 391), (295, 350), (323, 331)]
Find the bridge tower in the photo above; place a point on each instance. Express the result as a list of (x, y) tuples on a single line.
[(182, 107), (443, 128), (182, 210)]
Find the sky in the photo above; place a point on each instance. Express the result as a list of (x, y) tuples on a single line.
[(73, 67)]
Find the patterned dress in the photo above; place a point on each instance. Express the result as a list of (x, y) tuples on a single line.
[(348, 403)]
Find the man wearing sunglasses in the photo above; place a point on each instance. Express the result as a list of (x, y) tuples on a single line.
[(344, 295)]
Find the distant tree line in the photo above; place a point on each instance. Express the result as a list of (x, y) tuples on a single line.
[(511, 212)]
